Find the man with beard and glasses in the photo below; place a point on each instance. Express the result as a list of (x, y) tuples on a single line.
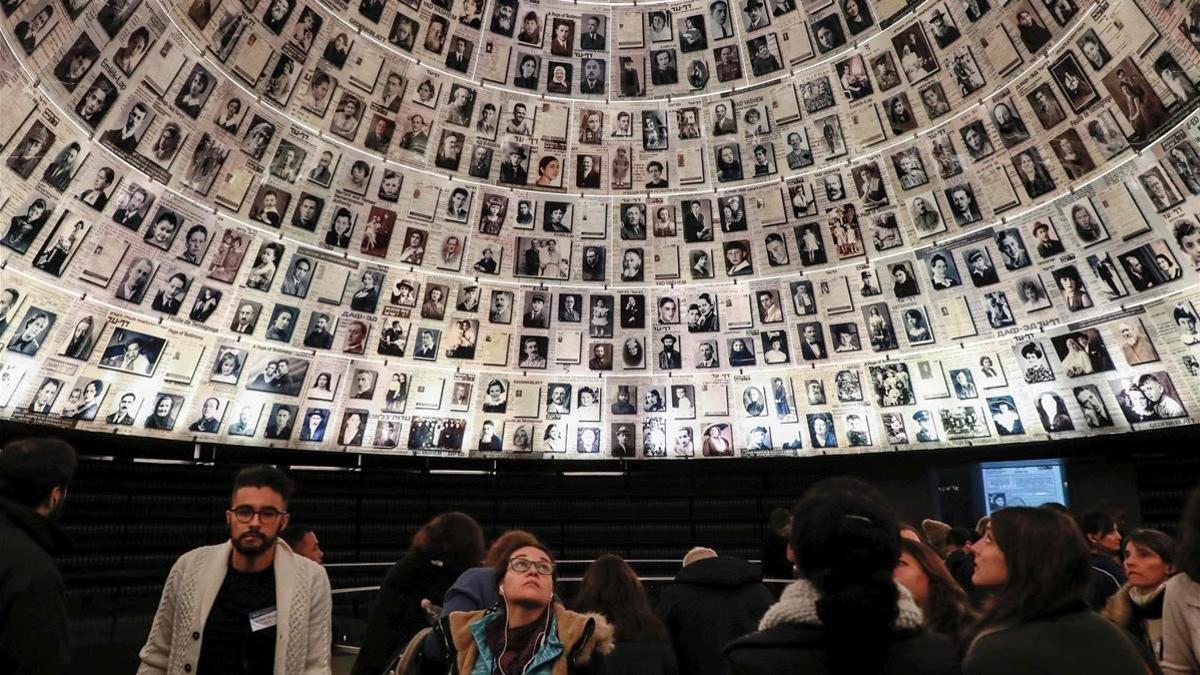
[(34, 475), (248, 605)]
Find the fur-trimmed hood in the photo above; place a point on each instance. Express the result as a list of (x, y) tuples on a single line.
[(1119, 608), (601, 641), (798, 605), (580, 637)]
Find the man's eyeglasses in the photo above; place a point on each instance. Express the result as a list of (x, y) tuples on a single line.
[(245, 514), (522, 565)]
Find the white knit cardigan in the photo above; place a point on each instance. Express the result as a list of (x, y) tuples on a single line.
[(302, 600)]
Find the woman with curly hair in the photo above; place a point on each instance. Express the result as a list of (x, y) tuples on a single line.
[(529, 631)]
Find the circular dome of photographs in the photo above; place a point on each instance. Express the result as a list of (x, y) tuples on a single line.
[(505, 228)]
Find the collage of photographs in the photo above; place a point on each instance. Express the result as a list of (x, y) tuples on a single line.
[(634, 231)]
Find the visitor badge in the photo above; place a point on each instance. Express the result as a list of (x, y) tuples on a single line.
[(263, 618)]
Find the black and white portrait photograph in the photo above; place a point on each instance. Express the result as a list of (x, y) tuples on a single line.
[(917, 329), (1033, 174), (132, 352), (1159, 188), (963, 204), (1073, 83), (164, 412), (97, 100), (136, 280), (1149, 397), (880, 332), (883, 67), (196, 89), (965, 71), (1092, 405), (827, 31), (925, 215), (1086, 222), (276, 374), (1046, 108), (916, 57), (1074, 293), (976, 140)]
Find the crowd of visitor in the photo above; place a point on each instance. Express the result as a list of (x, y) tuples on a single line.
[(1027, 590)]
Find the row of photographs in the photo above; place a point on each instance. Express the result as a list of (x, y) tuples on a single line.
[(1144, 265), (459, 203), (661, 436), (631, 269), (693, 332), (1159, 188), (277, 368), (265, 207), (557, 32), (1081, 352), (182, 277), (200, 82), (1143, 390)]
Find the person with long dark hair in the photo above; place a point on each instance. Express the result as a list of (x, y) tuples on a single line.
[(1104, 556), (942, 601), (1138, 606), (1035, 562), (846, 613), (441, 550), (611, 588)]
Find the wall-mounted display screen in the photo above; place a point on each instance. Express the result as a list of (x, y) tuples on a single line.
[(1030, 483)]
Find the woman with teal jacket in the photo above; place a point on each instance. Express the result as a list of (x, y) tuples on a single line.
[(529, 632)]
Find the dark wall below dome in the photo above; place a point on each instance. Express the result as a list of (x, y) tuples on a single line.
[(137, 504)]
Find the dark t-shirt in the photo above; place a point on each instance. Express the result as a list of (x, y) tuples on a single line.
[(514, 648), (230, 646)]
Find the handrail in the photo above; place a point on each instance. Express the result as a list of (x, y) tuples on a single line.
[(365, 589), (678, 561)]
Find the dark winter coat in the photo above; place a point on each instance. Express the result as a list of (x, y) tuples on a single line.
[(775, 563), (792, 641), (712, 602), (1075, 640), (33, 611), (641, 657), (398, 615), (1107, 576)]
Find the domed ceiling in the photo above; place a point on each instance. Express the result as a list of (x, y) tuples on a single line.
[(581, 230)]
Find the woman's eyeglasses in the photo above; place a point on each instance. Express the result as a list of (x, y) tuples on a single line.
[(522, 565)]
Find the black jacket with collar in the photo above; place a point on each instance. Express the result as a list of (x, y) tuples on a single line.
[(1072, 640), (33, 611), (712, 602), (797, 648), (397, 614)]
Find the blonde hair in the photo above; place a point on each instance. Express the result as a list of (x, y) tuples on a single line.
[(698, 553)]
